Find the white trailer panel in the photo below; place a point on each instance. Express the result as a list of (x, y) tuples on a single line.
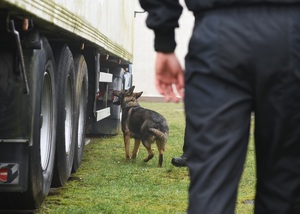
[(108, 24)]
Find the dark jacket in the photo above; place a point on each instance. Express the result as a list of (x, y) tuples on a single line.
[(163, 15)]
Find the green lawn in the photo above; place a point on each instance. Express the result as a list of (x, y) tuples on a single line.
[(106, 183)]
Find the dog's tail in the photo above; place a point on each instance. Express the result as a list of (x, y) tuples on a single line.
[(159, 134)]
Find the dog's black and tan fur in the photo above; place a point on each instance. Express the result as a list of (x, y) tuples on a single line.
[(141, 124)]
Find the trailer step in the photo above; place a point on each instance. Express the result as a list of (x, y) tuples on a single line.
[(103, 113), (87, 141)]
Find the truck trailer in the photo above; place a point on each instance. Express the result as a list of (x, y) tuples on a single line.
[(60, 61)]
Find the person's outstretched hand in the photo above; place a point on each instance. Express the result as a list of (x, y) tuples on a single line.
[(169, 73)]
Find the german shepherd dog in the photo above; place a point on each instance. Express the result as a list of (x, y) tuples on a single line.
[(141, 124)]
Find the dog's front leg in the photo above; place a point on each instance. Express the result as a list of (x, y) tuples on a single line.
[(127, 144), (135, 150)]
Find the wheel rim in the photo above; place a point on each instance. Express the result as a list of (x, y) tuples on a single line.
[(81, 116), (46, 121), (68, 117)]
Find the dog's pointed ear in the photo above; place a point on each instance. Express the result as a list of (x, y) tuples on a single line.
[(130, 90), (116, 93), (138, 94)]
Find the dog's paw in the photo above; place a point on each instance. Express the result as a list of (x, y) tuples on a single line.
[(148, 158)]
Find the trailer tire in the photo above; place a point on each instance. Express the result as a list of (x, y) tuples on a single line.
[(42, 151), (81, 92), (66, 128)]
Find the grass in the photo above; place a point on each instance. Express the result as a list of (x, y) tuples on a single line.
[(107, 183)]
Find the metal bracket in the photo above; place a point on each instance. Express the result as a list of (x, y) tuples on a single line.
[(136, 12), (11, 28)]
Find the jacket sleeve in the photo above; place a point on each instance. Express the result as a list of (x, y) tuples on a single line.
[(163, 16)]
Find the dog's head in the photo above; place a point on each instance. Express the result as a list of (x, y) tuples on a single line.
[(126, 98)]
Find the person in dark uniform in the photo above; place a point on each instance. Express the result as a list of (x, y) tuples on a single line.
[(243, 58)]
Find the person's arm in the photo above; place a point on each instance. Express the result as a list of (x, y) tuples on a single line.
[(163, 16)]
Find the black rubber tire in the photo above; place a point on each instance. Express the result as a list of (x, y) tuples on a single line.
[(44, 123), (81, 71), (66, 127), (41, 109)]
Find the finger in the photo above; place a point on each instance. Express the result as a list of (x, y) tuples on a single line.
[(166, 94), (160, 87), (180, 85), (174, 98), (171, 94), (180, 90)]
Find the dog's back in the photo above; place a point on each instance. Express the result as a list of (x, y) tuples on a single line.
[(144, 123)]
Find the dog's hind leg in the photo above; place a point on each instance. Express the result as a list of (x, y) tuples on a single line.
[(161, 149), (135, 150), (160, 160), (149, 150)]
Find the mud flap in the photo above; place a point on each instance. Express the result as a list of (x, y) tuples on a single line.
[(13, 167)]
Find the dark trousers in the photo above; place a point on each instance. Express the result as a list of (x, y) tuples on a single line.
[(243, 60)]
